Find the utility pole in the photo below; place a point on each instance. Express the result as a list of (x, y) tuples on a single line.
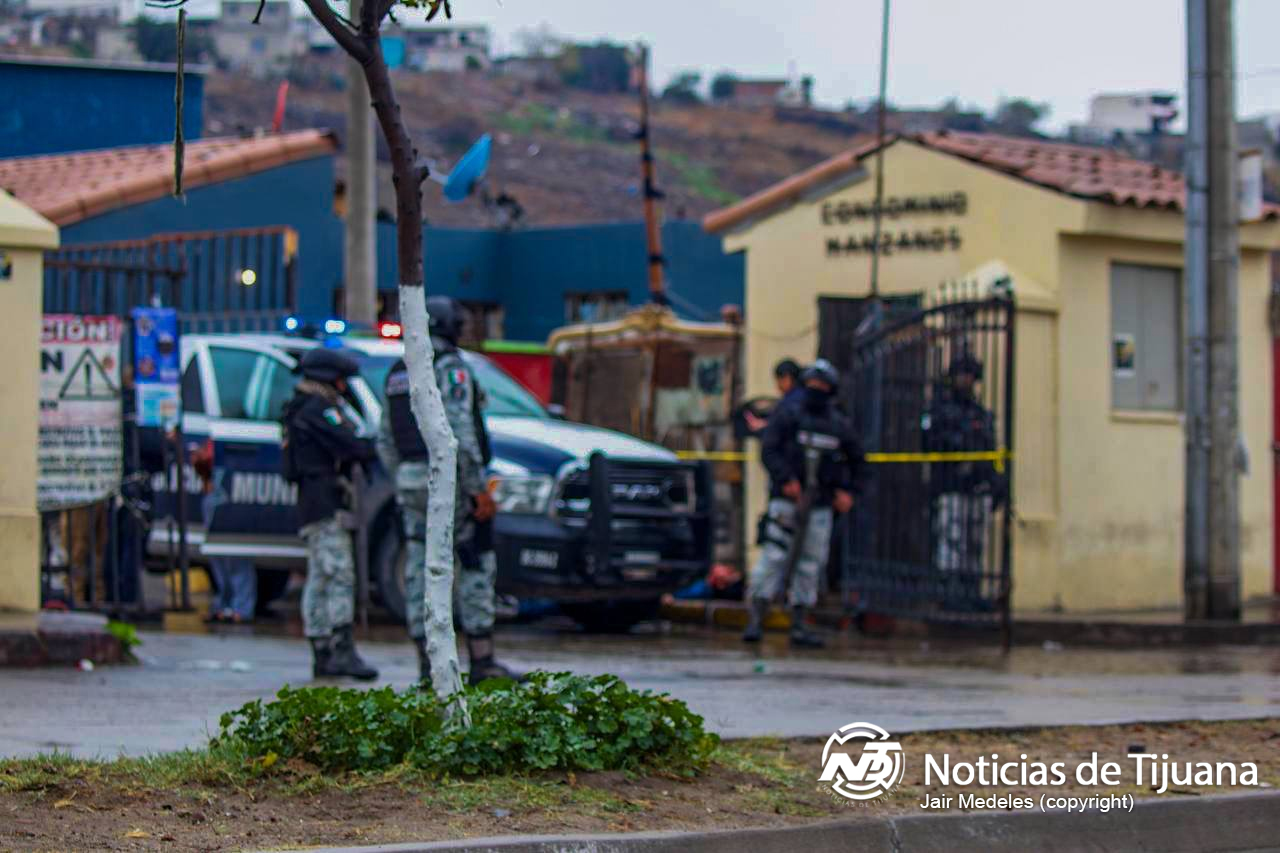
[(360, 269), (1212, 534), (881, 110), (652, 227)]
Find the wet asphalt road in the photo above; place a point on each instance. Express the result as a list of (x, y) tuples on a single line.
[(186, 681)]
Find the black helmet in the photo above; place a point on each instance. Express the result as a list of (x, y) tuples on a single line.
[(446, 318), (327, 365), (965, 363), (823, 371)]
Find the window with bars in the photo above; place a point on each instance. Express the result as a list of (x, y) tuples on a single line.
[(595, 306)]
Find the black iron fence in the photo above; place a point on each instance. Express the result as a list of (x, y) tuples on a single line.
[(933, 391), (237, 280)]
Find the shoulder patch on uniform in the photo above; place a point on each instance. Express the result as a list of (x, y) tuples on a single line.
[(457, 376), (398, 383), (333, 416)]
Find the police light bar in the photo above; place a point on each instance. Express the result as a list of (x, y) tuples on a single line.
[(334, 327), (390, 330), (291, 324)]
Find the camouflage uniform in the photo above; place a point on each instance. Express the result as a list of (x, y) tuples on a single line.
[(768, 574), (808, 442), (328, 598), (476, 567), (320, 448), (963, 495)]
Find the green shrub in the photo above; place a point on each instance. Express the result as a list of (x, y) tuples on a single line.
[(554, 721)]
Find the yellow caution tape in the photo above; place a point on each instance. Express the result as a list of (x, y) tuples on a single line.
[(996, 456), (713, 455), (999, 457)]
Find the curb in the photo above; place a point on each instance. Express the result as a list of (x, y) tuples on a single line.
[(1252, 822), (1027, 631), (52, 638)]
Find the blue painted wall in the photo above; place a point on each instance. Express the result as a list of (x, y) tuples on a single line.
[(51, 108), (529, 272), (299, 194)]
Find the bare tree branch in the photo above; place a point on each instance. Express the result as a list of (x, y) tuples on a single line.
[(437, 6), (384, 8), (346, 39), (422, 169), (370, 18), (262, 4)]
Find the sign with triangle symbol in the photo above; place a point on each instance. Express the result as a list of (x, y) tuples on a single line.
[(88, 380)]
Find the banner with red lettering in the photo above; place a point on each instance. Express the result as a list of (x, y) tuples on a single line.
[(81, 438)]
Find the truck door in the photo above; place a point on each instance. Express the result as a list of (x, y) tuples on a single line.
[(258, 518)]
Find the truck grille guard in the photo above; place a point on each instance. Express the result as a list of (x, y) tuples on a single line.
[(641, 492)]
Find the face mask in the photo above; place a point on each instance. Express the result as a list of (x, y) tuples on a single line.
[(816, 399)]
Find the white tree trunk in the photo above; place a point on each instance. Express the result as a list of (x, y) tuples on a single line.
[(428, 408)]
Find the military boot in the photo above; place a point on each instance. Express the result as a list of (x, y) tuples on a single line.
[(345, 660), (483, 666), (424, 664), (321, 657), (801, 635), (757, 610)]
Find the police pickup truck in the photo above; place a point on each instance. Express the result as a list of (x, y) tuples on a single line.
[(598, 521)]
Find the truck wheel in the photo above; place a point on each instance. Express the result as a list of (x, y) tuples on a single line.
[(610, 617), (271, 585), (387, 572)]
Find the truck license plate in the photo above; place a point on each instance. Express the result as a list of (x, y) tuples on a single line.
[(531, 558)]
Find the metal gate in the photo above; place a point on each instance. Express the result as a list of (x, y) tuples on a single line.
[(932, 538), (237, 280)]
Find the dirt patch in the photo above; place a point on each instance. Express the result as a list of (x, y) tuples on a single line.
[(64, 805)]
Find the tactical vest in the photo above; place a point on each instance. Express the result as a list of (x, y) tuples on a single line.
[(404, 426), (822, 432)]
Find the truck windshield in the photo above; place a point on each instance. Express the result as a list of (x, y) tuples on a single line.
[(506, 397)]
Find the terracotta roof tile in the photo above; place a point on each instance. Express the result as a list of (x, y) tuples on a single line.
[(69, 188), (1080, 171)]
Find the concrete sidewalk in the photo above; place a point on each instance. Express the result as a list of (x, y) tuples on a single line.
[(1259, 625), (174, 697), (1243, 822)]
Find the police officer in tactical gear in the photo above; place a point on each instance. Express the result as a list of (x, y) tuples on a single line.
[(403, 451), (814, 458), (962, 493), (320, 449)]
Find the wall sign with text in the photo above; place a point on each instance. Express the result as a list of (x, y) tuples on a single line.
[(896, 242), (895, 238)]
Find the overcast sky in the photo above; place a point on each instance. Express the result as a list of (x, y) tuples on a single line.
[(1059, 51)]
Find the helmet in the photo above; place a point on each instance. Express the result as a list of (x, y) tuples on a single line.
[(965, 363), (446, 318), (327, 365), (823, 371)]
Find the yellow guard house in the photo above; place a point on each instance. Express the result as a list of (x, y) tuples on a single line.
[(24, 235), (1092, 243)]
